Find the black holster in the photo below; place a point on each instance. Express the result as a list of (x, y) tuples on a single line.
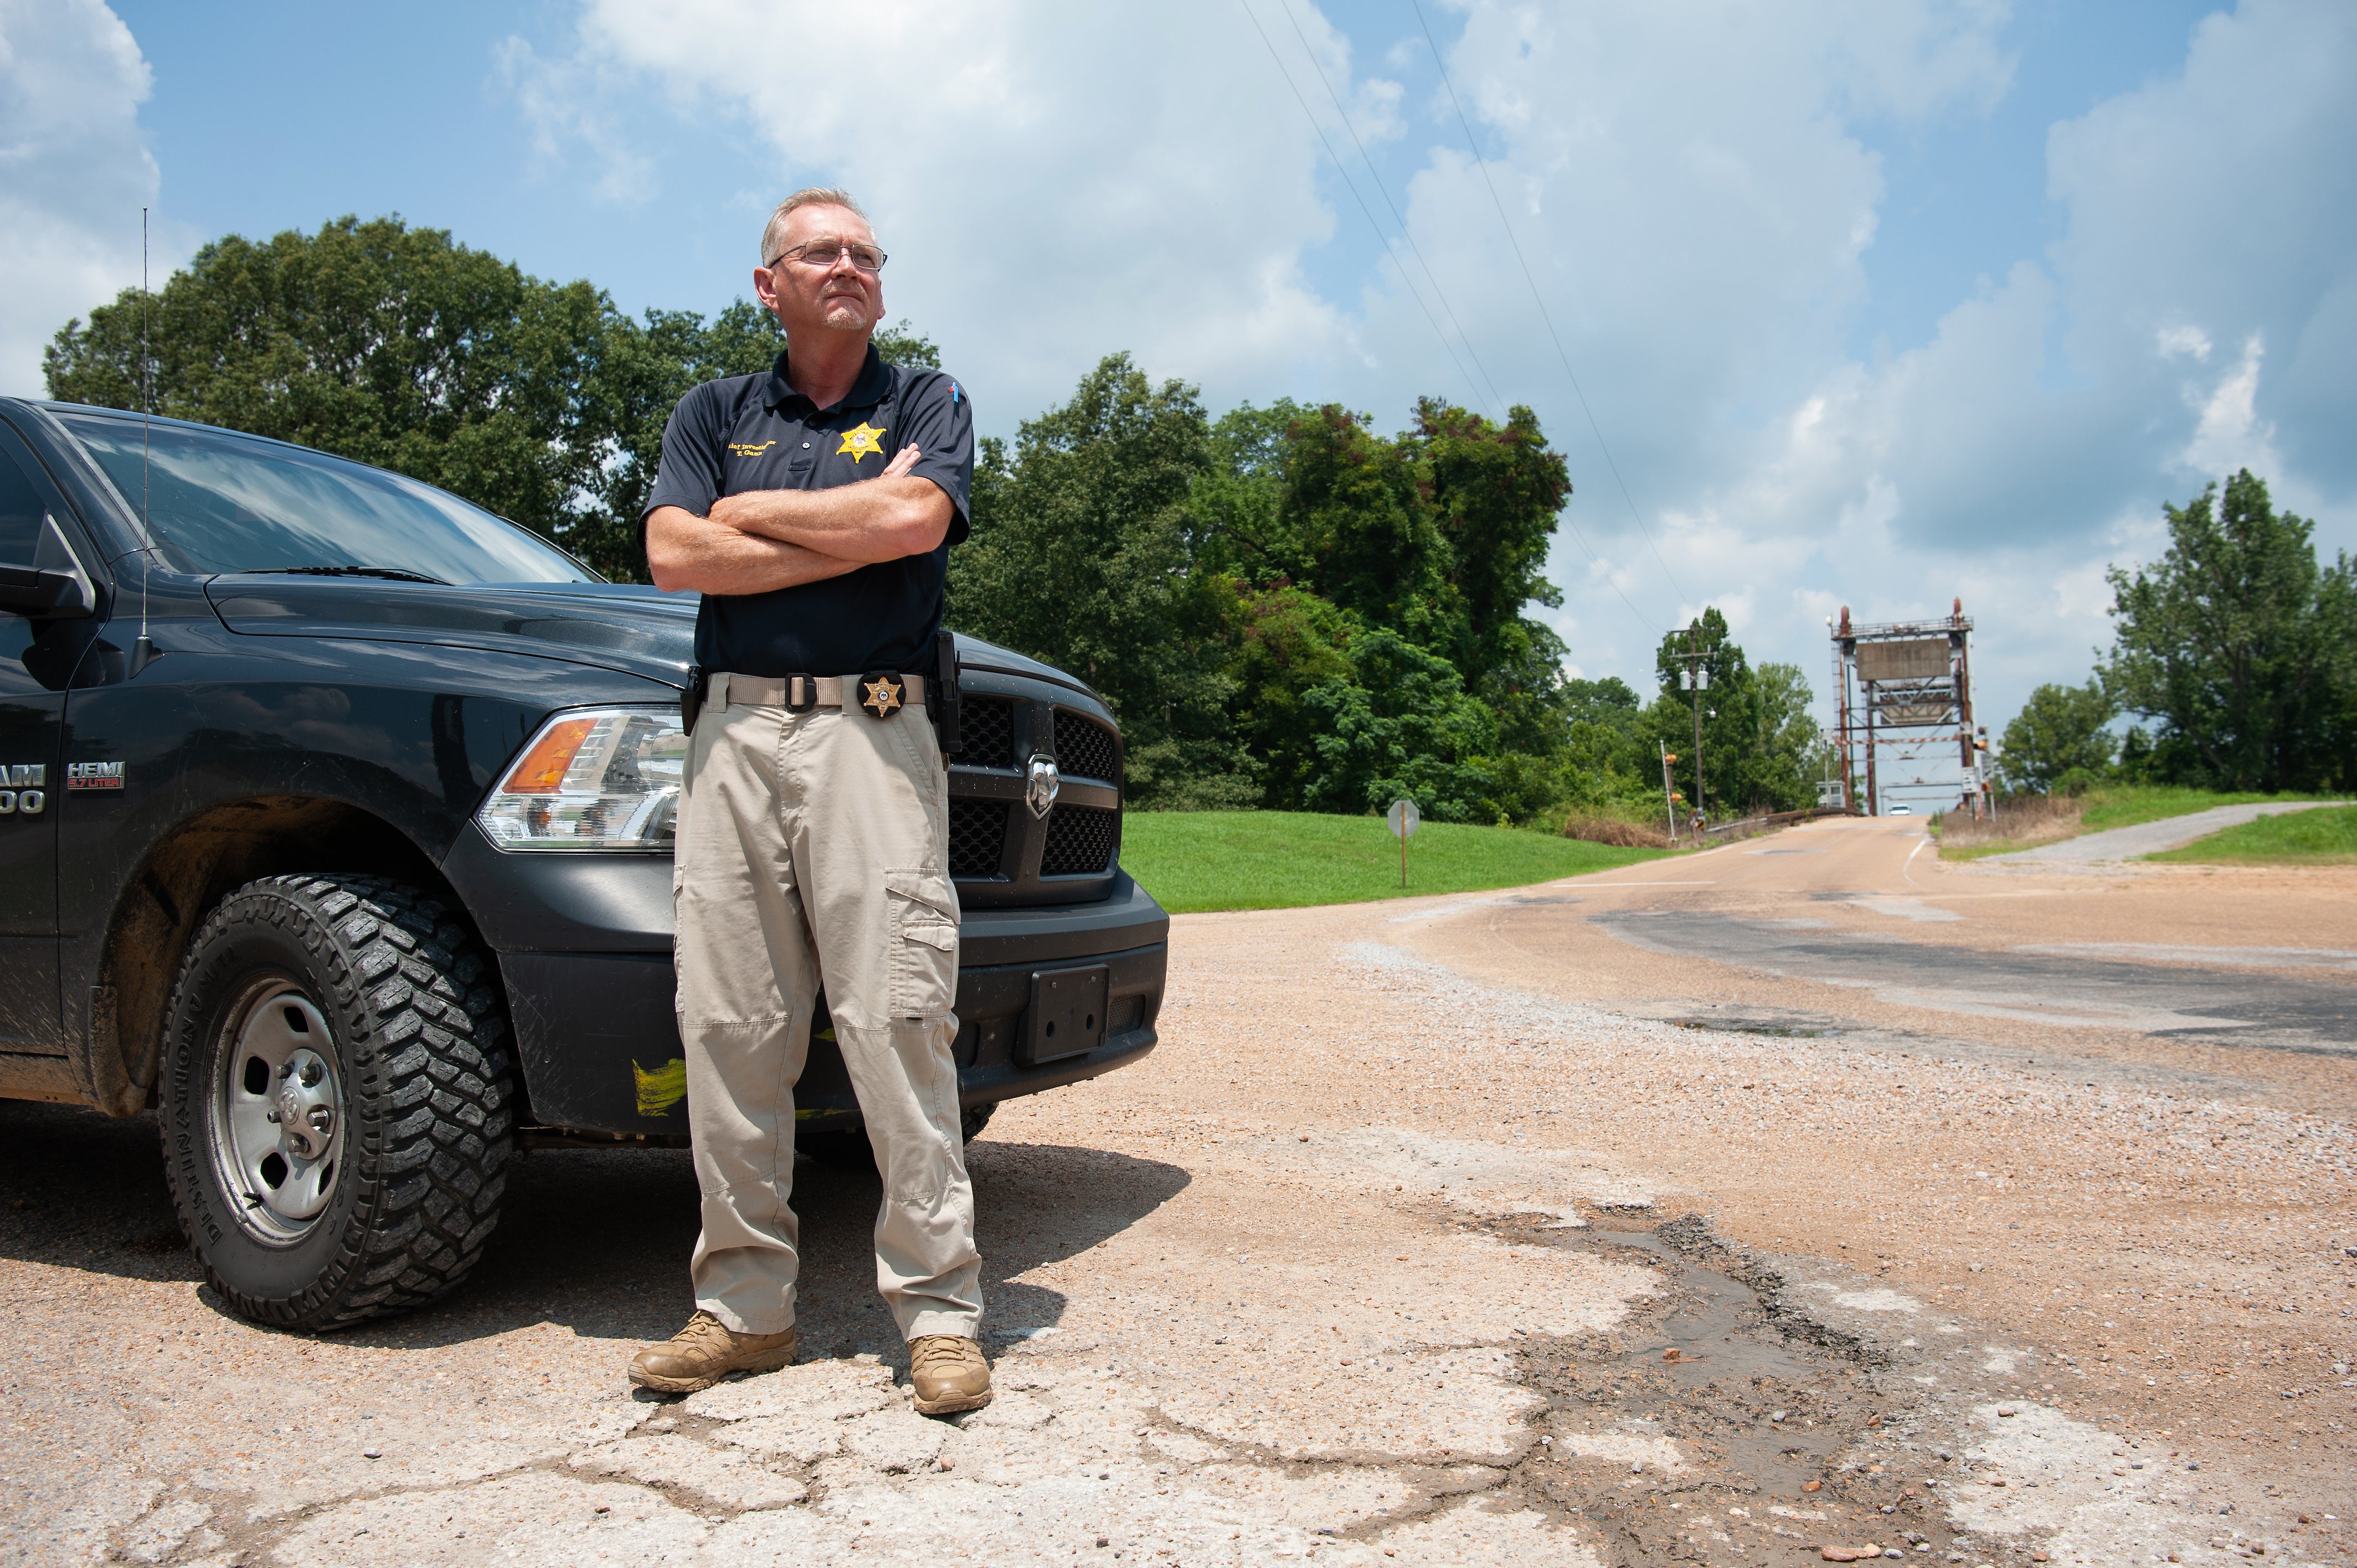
[(943, 704), (691, 696)]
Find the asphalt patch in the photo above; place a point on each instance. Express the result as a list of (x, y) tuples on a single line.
[(1758, 1405), (2219, 1007)]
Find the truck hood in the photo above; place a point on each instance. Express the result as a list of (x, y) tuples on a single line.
[(614, 626)]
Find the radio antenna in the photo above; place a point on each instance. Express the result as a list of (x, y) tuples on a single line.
[(143, 651)]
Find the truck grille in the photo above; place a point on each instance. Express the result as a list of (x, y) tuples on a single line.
[(987, 729), (1080, 840), (1085, 749), (978, 837)]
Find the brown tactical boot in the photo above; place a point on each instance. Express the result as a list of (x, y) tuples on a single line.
[(706, 1352), (948, 1374)]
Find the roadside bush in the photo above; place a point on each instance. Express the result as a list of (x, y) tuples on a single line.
[(2014, 818), (1617, 831), (2077, 781)]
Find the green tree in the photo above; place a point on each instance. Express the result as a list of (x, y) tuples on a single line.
[(1236, 504), (1760, 743), (2240, 643), (399, 347), (2059, 729), (1709, 782), (1493, 492), (1355, 529), (1231, 586), (1786, 756), (1287, 642), (378, 341), (1439, 533), (1079, 556), (1401, 725), (1328, 530)]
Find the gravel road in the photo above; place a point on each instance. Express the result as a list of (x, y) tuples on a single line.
[(1444, 1230), (2150, 838)]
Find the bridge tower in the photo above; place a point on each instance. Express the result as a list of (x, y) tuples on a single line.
[(1904, 731)]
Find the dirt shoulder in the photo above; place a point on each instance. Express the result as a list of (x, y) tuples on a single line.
[(1426, 1236)]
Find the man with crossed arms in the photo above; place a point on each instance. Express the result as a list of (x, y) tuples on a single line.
[(813, 817)]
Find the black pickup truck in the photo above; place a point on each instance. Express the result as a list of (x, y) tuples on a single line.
[(336, 823)]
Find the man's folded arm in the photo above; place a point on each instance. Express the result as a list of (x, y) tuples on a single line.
[(887, 518), (689, 553)]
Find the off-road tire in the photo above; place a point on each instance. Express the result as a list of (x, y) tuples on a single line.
[(848, 1150), (974, 1119), (418, 1025)]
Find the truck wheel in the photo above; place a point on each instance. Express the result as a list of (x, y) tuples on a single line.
[(336, 1099), (849, 1150)]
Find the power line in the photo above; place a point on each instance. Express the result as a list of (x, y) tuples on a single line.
[(1598, 431), (1496, 404), (1366, 211), (1496, 400)]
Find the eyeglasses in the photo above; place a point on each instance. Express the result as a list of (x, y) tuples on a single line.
[(824, 253)]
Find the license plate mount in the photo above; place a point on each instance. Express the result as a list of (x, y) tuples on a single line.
[(1068, 1012)]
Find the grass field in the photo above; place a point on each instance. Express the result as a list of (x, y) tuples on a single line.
[(2326, 837), (1278, 859)]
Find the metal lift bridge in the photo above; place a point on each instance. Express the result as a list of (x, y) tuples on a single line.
[(1905, 727)]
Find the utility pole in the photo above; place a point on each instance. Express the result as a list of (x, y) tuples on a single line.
[(1696, 680), (1668, 795)]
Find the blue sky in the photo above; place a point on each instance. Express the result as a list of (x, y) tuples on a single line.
[(1877, 302), (431, 128)]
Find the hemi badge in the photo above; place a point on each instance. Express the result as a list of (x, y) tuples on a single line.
[(94, 776)]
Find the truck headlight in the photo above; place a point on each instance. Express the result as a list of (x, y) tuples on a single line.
[(593, 778)]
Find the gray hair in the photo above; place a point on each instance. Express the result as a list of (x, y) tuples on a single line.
[(773, 232)]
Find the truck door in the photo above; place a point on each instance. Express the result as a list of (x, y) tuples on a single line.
[(30, 733)]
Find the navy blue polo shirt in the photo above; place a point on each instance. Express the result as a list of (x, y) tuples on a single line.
[(756, 432)]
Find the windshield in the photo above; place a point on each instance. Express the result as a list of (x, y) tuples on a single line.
[(221, 502)]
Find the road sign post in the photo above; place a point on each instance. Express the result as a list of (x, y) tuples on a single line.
[(1405, 818)]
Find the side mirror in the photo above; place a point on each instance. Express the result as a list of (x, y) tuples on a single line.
[(41, 596), (54, 587)]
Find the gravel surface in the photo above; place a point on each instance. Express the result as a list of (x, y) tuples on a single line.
[(1437, 1231), (2149, 838)]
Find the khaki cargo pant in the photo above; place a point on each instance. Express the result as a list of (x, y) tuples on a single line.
[(812, 851)]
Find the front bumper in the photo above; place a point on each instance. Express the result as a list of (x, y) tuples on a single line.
[(584, 944)]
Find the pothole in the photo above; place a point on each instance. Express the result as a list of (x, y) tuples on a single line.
[(1713, 1427), (1743, 1027)]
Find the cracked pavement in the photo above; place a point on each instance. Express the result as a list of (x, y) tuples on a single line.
[(1448, 1231)]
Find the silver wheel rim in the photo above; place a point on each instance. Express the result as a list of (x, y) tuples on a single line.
[(278, 1112)]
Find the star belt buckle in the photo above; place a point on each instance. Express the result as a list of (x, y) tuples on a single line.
[(881, 694)]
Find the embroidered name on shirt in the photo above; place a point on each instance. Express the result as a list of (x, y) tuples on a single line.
[(745, 449)]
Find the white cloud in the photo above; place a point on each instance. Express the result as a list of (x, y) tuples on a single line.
[(1053, 185), (1687, 186), (1696, 190), (74, 173), (569, 104), (2231, 434), (1706, 195)]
